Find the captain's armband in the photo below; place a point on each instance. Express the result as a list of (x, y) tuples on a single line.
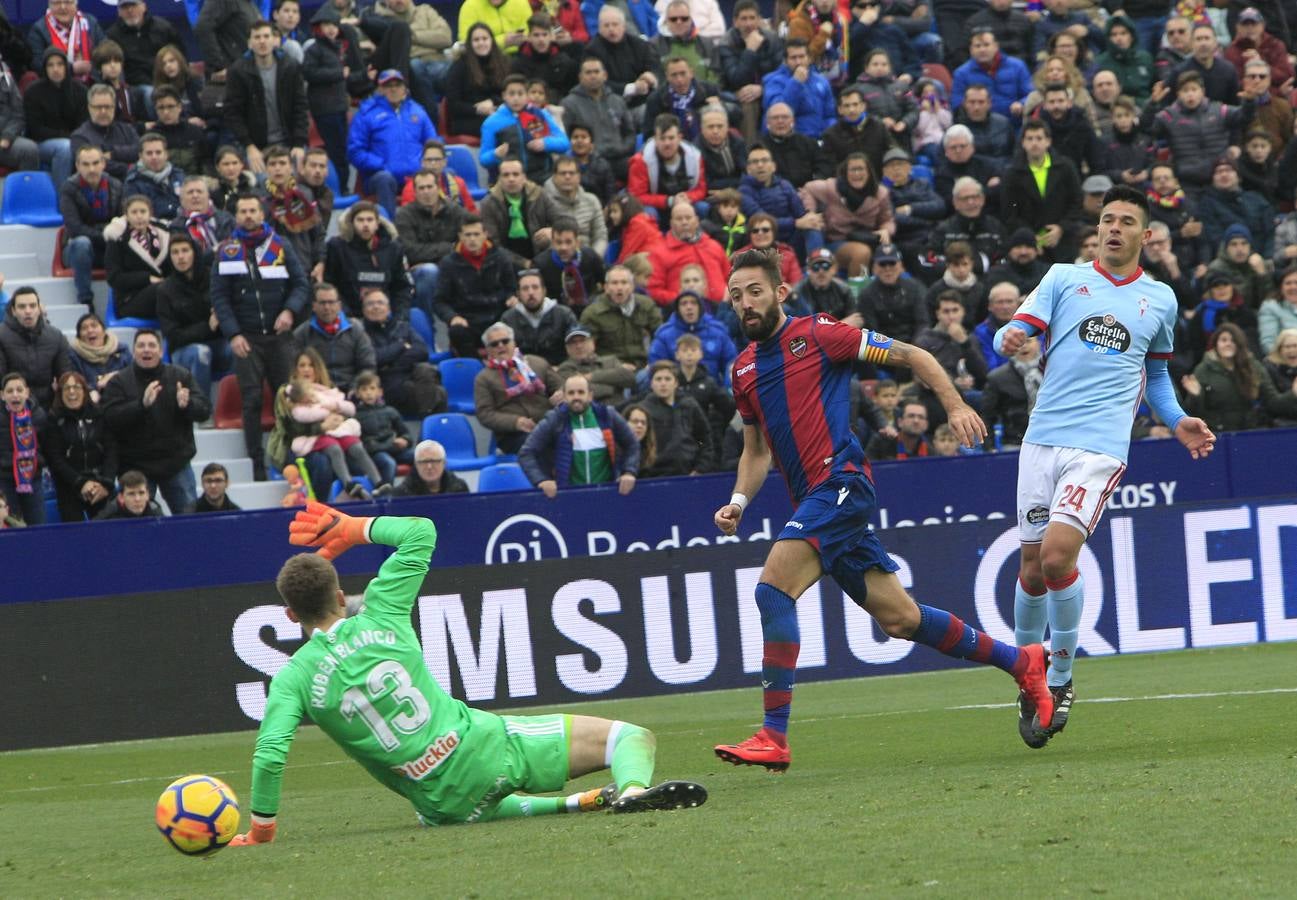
[(875, 348)]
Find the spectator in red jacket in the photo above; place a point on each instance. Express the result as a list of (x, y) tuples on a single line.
[(684, 245), (1250, 35), (666, 171), (628, 223)]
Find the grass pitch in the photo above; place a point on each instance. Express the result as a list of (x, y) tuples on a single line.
[(1175, 778)]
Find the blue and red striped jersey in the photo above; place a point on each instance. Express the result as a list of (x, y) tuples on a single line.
[(796, 385)]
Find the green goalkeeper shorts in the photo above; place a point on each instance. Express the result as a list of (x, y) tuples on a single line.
[(533, 759)]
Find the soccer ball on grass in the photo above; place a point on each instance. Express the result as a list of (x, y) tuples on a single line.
[(198, 814)]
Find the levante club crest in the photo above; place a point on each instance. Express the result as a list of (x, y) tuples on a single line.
[(797, 346)]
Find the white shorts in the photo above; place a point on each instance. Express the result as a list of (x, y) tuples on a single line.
[(1063, 484)]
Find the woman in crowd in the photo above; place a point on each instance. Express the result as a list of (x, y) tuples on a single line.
[(641, 425), (232, 178), (474, 82), (763, 230), (628, 223), (1057, 70), (97, 355), (80, 450), (857, 213), (1281, 368), (1230, 389), (170, 68), (136, 259)]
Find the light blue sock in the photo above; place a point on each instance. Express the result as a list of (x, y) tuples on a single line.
[(1065, 601), (1028, 616)]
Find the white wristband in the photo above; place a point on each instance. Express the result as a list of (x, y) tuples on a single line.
[(739, 500)]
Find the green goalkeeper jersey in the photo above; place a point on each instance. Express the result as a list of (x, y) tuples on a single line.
[(365, 684)]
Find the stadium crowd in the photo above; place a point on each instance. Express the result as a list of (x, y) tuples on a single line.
[(917, 167)]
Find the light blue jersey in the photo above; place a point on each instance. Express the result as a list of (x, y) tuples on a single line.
[(1099, 331)]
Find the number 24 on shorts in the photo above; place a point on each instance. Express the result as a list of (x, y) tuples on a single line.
[(1073, 496)]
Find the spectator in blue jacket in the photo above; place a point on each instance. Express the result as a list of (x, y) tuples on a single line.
[(764, 191), (690, 317), (580, 442), (1005, 76), (807, 91), (386, 139), (522, 131)]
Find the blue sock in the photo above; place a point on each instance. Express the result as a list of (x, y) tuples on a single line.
[(1065, 601), (952, 636), (782, 638), (1029, 616)]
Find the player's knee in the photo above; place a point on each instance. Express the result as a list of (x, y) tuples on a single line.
[(900, 622), (1032, 577), (1055, 564)]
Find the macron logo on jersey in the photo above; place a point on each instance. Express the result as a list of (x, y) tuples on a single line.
[(436, 754)]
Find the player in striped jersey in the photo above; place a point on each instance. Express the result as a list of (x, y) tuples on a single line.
[(791, 386), (362, 680), (1108, 330)]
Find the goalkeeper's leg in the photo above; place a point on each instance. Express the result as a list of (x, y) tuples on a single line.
[(627, 749)]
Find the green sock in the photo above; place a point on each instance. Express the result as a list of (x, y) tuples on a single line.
[(630, 754), (516, 806)]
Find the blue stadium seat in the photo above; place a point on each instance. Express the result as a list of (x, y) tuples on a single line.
[(111, 320), (463, 163), (423, 328), (921, 173), (340, 200), (502, 477), (30, 198), (457, 376), (454, 432)]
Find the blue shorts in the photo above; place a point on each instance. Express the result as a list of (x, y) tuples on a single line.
[(834, 519)]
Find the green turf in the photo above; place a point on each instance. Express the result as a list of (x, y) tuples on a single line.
[(893, 791)]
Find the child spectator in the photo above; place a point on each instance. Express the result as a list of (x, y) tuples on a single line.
[(21, 466), (333, 70), (132, 499), (934, 118), (137, 258), (725, 222), (1129, 155), (696, 381), (630, 224), (694, 278), (109, 63), (640, 269), (1257, 168), (215, 478), (382, 430), (596, 172), (186, 142), (716, 350), (684, 436), (642, 427), (944, 442), (338, 436), (171, 69)]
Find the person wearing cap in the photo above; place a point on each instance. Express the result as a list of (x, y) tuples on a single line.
[(856, 131), (621, 321), (386, 139), (915, 205), (1251, 272), (609, 377), (1225, 204), (511, 394), (1092, 191), (540, 324), (1221, 302), (1042, 193), (141, 35), (1005, 76), (1132, 64), (1250, 35), (1022, 264), (580, 442), (821, 291), (890, 304), (265, 99)]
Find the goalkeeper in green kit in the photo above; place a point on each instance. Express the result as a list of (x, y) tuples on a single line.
[(363, 682)]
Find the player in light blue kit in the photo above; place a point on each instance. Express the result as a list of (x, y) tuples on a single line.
[(1108, 332)]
